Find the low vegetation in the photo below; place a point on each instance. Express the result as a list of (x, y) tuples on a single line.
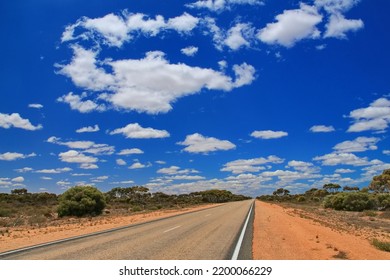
[(36, 209)]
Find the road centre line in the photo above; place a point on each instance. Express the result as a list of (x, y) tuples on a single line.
[(168, 230)]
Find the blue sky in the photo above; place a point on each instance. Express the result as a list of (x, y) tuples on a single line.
[(181, 96)]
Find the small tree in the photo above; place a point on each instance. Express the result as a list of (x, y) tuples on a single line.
[(381, 183), (80, 201), (19, 191), (331, 186)]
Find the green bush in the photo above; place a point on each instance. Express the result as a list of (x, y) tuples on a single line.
[(301, 198), (383, 201), (350, 201), (81, 201)]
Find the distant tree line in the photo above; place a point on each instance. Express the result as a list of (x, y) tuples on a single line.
[(374, 197), (88, 200)]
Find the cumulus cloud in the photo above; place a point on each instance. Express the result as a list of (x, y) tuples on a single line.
[(77, 103), (89, 147), (15, 120), (94, 128), (197, 143), (9, 156), (322, 128), (54, 171), (376, 117), (221, 5), (268, 134), (114, 30), (175, 170), (138, 165), (292, 26), (135, 131), (120, 162), (35, 106), (236, 36), (73, 156), (19, 179), (342, 159), (360, 144), (338, 26), (133, 151), (189, 51), (250, 165), (149, 84)]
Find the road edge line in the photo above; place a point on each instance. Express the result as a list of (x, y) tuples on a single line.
[(241, 238)]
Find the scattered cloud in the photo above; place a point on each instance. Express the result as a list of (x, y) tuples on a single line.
[(120, 162), (237, 36), (19, 179), (221, 5), (15, 120), (344, 170), (35, 106), (197, 143), (9, 156), (292, 26), (133, 151), (54, 171), (138, 165), (73, 156), (175, 170), (268, 134), (250, 165), (322, 128), (342, 159), (94, 128), (376, 117), (189, 51), (89, 147), (360, 144), (135, 131), (338, 26), (76, 103), (149, 84)]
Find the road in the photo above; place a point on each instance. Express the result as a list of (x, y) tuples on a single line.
[(209, 234)]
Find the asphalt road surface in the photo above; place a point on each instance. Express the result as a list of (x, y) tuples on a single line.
[(209, 234)]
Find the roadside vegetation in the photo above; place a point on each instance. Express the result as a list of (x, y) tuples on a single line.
[(20, 208)]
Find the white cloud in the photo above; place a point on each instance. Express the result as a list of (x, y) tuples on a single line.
[(15, 120), (24, 169), (344, 170), (236, 36), (94, 128), (45, 178), (54, 171), (19, 179), (292, 26), (197, 143), (134, 130), (322, 128), (336, 6), (376, 117), (88, 166), (250, 165), (73, 156), (342, 159), (386, 152), (76, 103), (35, 106), (133, 151), (302, 166), (189, 51), (360, 144), (338, 26), (89, 147), (149, 84), (8, 156), (138, 165), (221, 5), (175, 170), (120, 162), (268, 134), (114, 30)]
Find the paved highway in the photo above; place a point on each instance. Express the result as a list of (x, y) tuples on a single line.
[(209, 234)]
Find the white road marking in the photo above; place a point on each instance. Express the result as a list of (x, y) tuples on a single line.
[(168, 230), (241, 238)]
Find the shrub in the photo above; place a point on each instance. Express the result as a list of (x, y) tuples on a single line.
[(80, 201), (383, 201), (301, 198), (349, 201), (381, 245)]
